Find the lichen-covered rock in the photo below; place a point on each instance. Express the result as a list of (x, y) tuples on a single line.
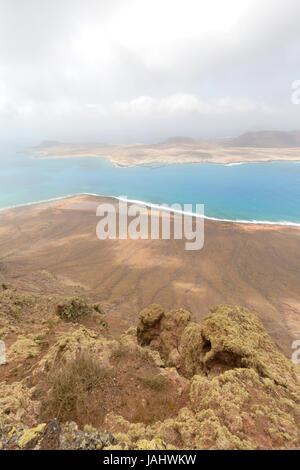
[(54, 436), (234, 338), (16, 404), (179, 432), (226, 386), (154, 444), (74, 308), (162, 331), (149, 324), (172, 325), (70, 344), (23, 348), (17, 307), (247, 410), (191, 350), (128, 341)]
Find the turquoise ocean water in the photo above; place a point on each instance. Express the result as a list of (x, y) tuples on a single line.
[(256, 192)]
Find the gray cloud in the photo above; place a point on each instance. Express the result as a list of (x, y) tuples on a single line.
[(128, 70)]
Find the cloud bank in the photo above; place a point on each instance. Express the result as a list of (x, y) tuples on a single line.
[(134, 70)]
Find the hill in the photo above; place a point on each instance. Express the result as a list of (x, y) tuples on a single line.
[(168, 383), (266, 139), (181, 140)]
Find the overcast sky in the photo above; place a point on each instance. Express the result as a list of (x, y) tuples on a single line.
[(144, 70)]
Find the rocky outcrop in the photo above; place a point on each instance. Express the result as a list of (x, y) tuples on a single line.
[(229, 337), (170, 383), (55, 436), (69, 345), (17, 405), (162, 331), (73, 308), (148, 328)]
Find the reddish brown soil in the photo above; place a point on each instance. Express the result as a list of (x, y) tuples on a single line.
[(53, 247)]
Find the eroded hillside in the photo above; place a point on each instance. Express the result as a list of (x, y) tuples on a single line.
[(167, 383)]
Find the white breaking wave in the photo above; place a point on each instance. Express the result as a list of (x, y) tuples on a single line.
[(236, 163), (157, 207)]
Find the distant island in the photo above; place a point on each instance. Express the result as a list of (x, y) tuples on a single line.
[(263, 146)]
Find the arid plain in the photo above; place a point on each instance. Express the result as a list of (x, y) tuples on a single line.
[(53, 247), (246, 148)]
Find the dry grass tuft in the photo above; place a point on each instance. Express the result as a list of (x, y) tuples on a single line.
[(156, 382), (71, 385)]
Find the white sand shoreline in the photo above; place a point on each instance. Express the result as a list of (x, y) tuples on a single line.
[(156, 207)]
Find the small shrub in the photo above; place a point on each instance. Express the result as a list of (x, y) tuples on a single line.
[(119, 352), (71, 385), (157, 410), (16, 314), (72, 309), (14, 371), (50, 323), (97, 308), (39, 338), (156, 382)]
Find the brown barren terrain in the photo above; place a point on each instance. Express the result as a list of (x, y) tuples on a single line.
[(52, 248), (252, 147)]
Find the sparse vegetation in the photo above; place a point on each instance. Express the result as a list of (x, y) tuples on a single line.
[(156, 382), (119, 352), (50, 323), (72, 309), (97, 308), (14, 371), (71, 385), (150, 413), (220, 384)]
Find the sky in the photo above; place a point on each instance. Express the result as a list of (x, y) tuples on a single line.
[(133, 71)]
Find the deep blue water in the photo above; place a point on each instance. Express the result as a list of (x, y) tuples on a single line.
[(254, 191)]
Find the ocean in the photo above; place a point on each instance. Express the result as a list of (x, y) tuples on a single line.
[(251, 192)]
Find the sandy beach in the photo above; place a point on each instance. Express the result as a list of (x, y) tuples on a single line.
[(52, 247)]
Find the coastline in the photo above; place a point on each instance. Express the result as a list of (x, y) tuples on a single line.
[(156, 207), (160, 163), (57, 251), (168, 153), (185, 161)]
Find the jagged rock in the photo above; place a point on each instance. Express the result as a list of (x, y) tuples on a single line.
[(229, 337), (171, 327), (55, 436), (240, 409), (191, 347), (16, 404), (149, 324), (128, 340), (234, 337), (228, 387), (162, 331), (50, 438)]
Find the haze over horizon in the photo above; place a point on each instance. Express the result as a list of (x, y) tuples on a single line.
[(136, 71)]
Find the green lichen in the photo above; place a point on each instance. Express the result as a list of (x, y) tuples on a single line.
[(31, 434)]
